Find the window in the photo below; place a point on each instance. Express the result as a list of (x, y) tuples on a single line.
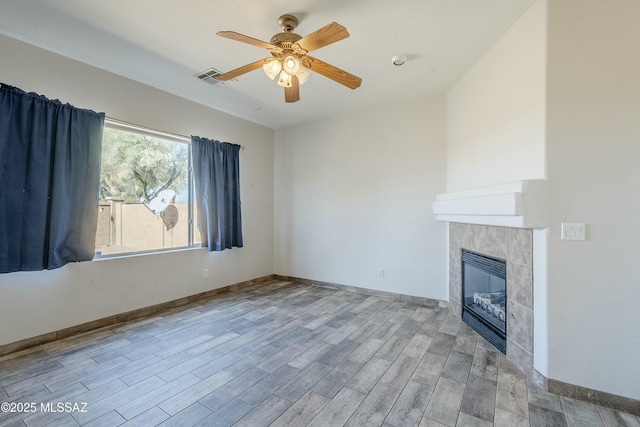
[(146, 191)]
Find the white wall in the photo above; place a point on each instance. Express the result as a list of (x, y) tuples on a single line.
[(33, 303), (496, 113), (586, 293), (594, 177), (353, 196)]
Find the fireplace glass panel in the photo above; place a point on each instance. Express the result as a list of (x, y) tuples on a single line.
[(484, 288), (486, 295)]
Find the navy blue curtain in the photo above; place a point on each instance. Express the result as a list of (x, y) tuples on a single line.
[(49, 181), (216, 171)]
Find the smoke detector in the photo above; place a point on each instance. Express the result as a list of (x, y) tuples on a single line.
[(399, 59)]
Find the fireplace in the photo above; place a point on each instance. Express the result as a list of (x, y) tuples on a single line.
[(515, 245), (484, 296)]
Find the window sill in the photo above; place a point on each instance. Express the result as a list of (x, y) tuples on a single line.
[(144, 253)]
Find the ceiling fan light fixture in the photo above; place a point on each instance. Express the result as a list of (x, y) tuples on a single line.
[(303, 75), (285, 79), (291, 65), (272, 68)]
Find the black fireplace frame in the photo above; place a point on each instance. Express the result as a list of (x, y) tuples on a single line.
[(498, 268)]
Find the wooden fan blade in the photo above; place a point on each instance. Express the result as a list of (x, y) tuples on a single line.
[(292, 94), (334, 73), (246, 39), (242, 70), (324, 36)]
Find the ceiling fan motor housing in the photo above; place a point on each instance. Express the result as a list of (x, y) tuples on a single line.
[(285, 40)]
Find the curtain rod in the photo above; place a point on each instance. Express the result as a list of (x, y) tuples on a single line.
[(156, 131)]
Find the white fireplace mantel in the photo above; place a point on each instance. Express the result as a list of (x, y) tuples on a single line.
[(520, 204)]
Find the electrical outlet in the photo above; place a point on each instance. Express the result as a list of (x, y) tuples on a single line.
[(205, 273)]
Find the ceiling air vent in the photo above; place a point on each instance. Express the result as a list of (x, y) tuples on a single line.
[(209, 76)]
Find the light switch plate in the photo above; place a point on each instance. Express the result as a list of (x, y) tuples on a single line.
[(573, 231)]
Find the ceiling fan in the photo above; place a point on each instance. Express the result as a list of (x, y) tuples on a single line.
[(289, 61)]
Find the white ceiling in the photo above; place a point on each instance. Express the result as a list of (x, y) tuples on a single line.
[(163, 43)]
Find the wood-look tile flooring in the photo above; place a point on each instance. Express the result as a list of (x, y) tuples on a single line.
[(285, 354)]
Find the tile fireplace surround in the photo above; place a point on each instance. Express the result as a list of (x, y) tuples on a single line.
[(515, 245)]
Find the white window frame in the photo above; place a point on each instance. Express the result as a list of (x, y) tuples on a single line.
[(129, 127)]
